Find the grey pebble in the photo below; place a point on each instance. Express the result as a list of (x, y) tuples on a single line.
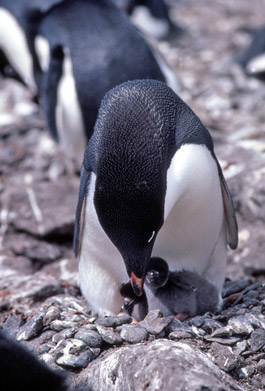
[(52, 313), (179, 334), (257, 340), (197, 321), (31, 328), (209, 325), (59, 325), (246, 372), (231, 287), (89, 337), (114, 321), (240, 348), (240, 325), (261, 366), (80, 361), (64, 334), (109, 335), (154, 323), (44, 348), (222, 332), (134, 334), (224, 357), (231, 341)]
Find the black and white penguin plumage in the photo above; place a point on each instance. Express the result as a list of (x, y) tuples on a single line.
[(92, 47), (150, 186), (20, 370), (182, 294), (252, 58), (17, 34)]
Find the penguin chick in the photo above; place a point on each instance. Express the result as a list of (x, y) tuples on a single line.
[(150, 185), (183, 294)]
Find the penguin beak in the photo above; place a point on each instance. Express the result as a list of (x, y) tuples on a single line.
[(137, 284)]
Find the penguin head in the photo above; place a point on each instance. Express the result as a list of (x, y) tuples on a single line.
[(157, 273), (131, 214)]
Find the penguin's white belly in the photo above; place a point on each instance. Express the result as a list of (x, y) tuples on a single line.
[(69, 120), (193, 234), (101, 267)]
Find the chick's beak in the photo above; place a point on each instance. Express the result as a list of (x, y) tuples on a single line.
[(137, 284)]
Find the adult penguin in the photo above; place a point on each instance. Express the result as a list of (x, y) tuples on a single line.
[(151, 185), (92, 47)]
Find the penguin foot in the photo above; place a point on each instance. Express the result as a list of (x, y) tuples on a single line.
[(181, 316)]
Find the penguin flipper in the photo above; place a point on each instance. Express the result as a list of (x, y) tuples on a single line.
[(80, 210), (230, 217), (181, 282)]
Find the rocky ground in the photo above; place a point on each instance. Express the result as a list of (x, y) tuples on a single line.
[(40, 302)]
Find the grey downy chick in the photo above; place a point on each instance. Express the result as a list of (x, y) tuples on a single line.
[(182, 294)]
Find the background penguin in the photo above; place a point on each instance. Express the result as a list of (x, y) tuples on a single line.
[(150, 186), (182, 294), (252, 59), (20, 370), (17, 33), (150, 16), (91, 46)]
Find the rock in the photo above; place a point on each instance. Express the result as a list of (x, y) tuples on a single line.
[(257, 340), (114, 321), (59, 325), (13, 323), (134, 334), (240, 347), (239, 325), (73, 353), (39, 212), (25, 290), (222, 332), (231, 287), (209, 325), (224, 357), (230, 341), (64, 334), (109, 335), (261, 366), (89, 337), (72, 361), (159, 365), (154, 323), (31, 328), (246, 372), (51, 314), (179, 334)]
